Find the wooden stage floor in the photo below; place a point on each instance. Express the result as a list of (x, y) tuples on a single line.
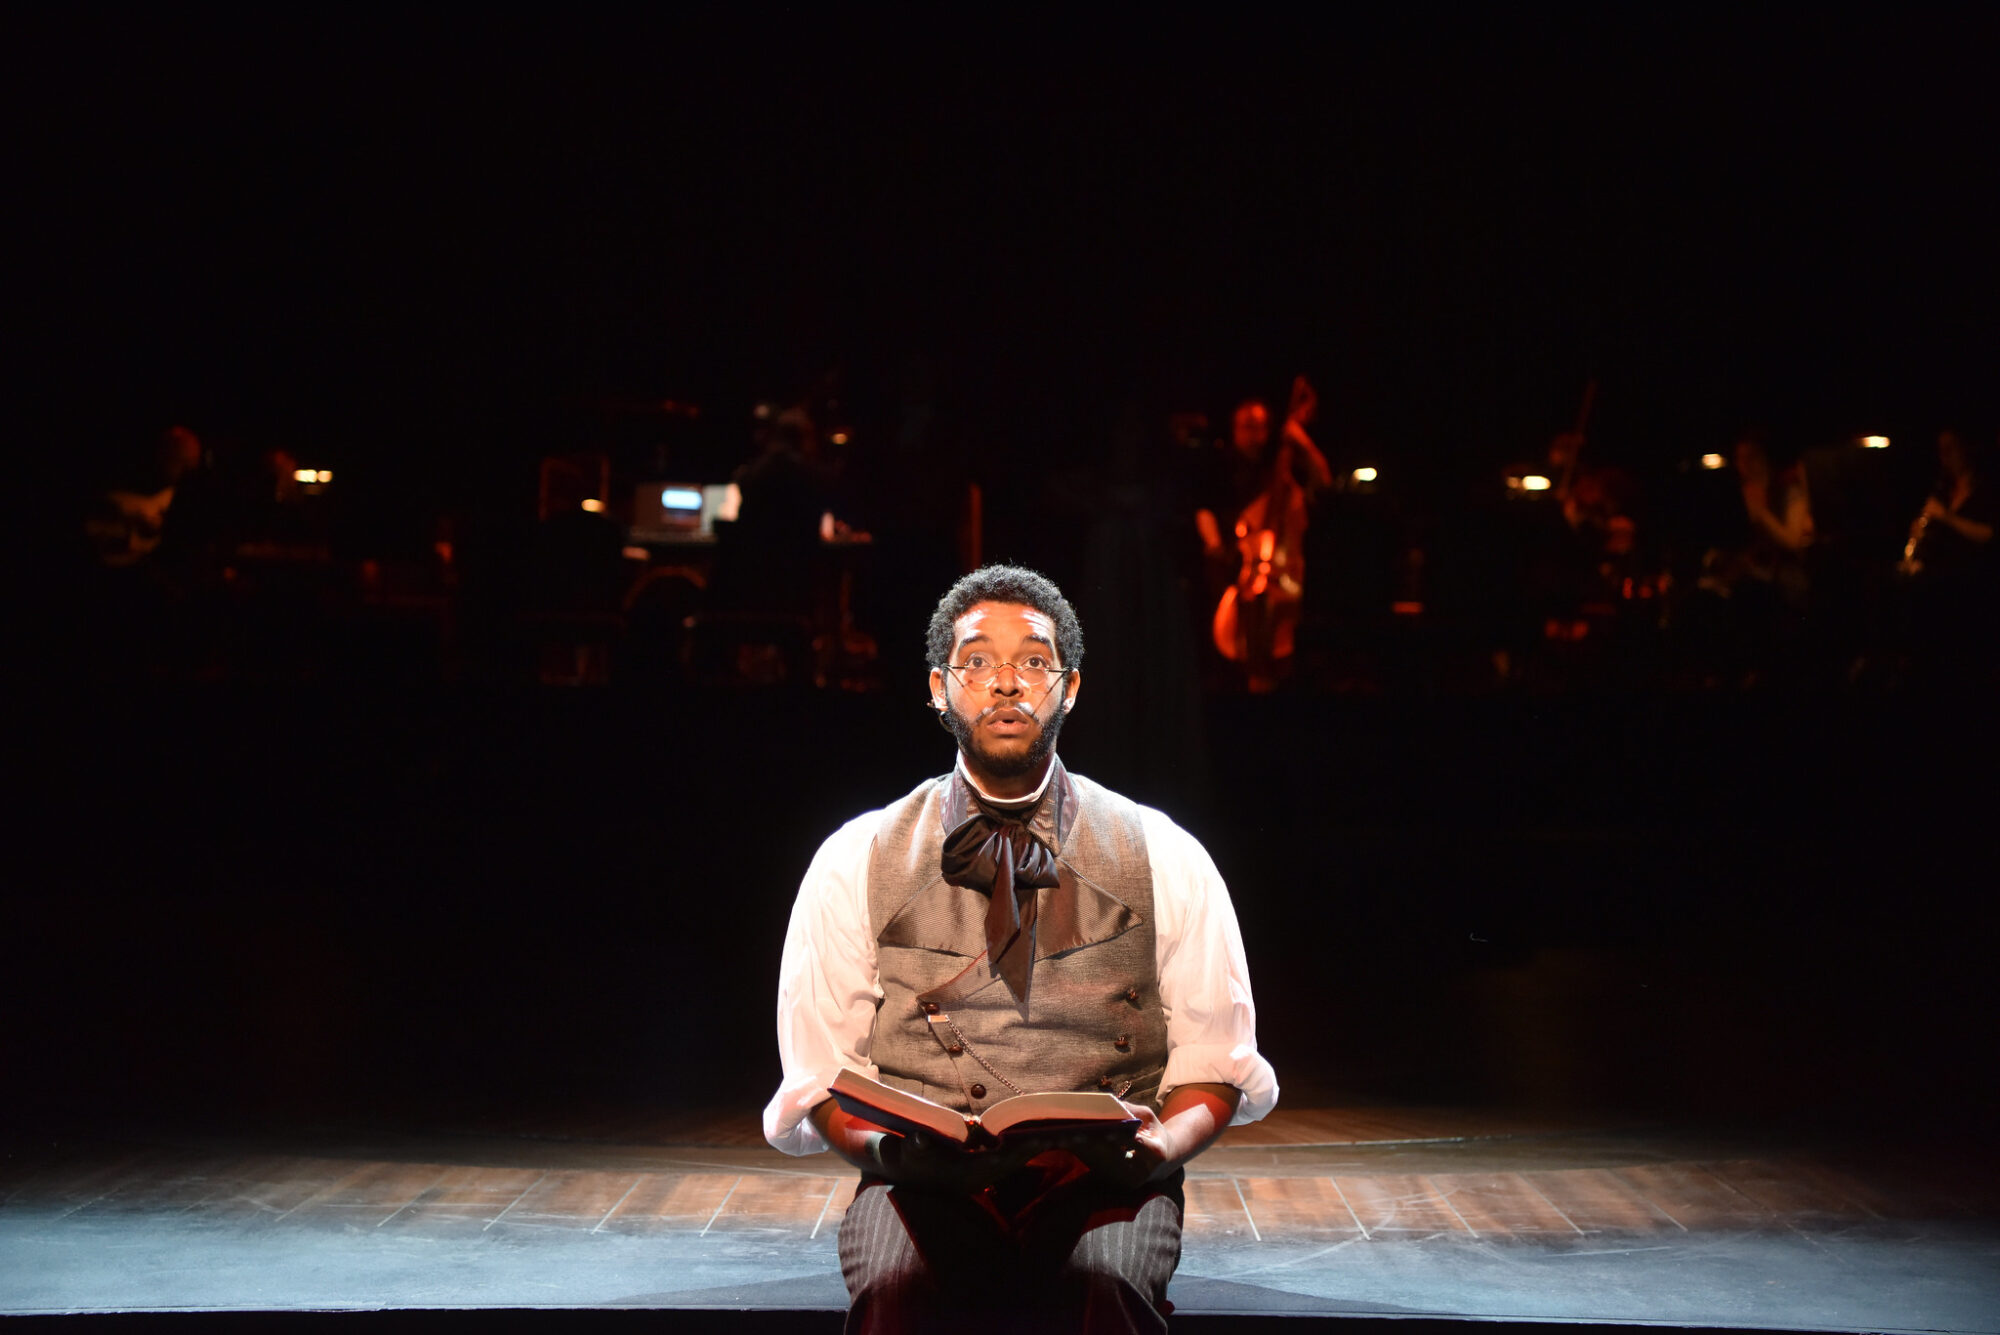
[(1320, 1211)]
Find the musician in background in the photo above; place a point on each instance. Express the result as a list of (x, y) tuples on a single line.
[(146, 537), (1954, 534), (1751, 599), (1242, 472), (1578, 554), (1778, 505), (128, 518), (1257, 566), (1951, 562), (764, 561), (1596, 499)]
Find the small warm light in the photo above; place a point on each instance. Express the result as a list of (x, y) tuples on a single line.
[(1534, 482), (838, 438), (594, 505), (324, 475), (305, 475), (635, 553), (1874, 442), (1364, 475), (1712, 461), (1407, 609)]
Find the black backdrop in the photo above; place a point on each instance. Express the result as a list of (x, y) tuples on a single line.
[(418, 246)]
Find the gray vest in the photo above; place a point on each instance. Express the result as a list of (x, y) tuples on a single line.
[(948, 1027)]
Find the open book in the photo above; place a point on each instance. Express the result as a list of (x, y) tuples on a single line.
[(893, 1110)]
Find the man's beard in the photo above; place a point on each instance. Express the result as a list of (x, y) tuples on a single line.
[(1014, 766)]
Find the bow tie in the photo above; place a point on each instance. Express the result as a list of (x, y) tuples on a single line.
[(1001, 858)]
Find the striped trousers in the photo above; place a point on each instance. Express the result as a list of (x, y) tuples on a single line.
[(1020, 1256)]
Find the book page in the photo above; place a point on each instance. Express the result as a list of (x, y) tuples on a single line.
[(1056, 1106)]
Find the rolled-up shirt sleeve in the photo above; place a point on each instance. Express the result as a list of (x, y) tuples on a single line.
[(1204, 977), (827, 988)]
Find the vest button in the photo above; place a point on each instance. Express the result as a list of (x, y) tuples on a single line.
[(954, 1048), (1122, 1042), (978, 1091), (930, 1008)]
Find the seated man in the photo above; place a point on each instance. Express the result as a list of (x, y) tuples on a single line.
[(1014, 928)]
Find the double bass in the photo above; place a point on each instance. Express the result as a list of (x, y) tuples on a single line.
[(1257, 619)]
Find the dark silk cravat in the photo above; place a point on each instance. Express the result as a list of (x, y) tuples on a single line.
[(997, 855)]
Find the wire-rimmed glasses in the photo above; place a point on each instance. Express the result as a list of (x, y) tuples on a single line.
[(1034, 675)]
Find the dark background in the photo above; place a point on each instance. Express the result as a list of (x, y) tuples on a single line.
[(421, 246), (421, 251)]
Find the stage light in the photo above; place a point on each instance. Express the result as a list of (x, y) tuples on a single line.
[(1712, 461), (1874, 442), (325, 475), (305, 475), (838, 437), (594, 505), (1534, 482), (1364, 475)]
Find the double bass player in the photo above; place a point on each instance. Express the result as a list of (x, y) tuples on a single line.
[(1258, 563)]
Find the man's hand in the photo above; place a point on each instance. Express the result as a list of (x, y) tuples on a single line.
[(1211, 532), (1191, 1120), (1123, 1162)]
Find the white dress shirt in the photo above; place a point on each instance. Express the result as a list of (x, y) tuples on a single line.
[(828, 991)]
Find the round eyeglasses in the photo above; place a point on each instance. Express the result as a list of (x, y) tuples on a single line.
[(1034, 675)]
